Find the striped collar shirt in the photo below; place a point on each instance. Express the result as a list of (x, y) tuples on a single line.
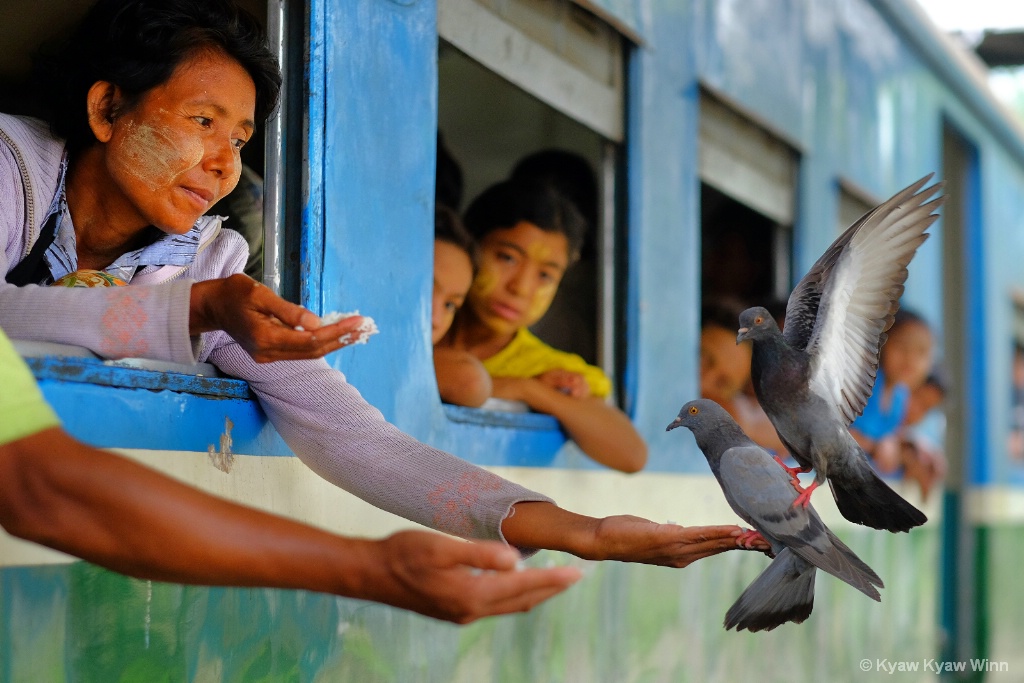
[(163, 250)]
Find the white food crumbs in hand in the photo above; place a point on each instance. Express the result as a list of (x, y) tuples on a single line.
[(366, 328)]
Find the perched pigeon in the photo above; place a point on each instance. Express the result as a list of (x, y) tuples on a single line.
[(813, 379), (760, 493)]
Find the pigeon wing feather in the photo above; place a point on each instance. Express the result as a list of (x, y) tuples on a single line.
[(859, 296), (760, 491)]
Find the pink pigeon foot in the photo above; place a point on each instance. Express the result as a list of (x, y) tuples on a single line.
[(805, 494), (791, 471), (749, 537)]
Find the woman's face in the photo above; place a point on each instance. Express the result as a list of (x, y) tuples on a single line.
[(520, 269), (176, 152)]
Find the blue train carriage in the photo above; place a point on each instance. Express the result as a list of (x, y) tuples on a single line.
[(795, 117)]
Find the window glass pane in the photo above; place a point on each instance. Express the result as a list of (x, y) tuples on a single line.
[(746, 161), (563, 55)]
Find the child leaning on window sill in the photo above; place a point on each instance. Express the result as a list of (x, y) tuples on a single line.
[(461, 377), (528, 235)]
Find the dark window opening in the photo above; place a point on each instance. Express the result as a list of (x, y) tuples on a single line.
[(745, 256)]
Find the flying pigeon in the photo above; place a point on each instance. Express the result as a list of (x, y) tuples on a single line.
[(760, 493), (813, 379)]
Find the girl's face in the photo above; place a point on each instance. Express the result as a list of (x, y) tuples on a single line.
[(176, 152), (724, 364), (906, 356), (520, 269), (453, 275)]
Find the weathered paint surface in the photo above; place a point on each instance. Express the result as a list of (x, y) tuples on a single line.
[(92, 371), (844, 83), (78, 622)]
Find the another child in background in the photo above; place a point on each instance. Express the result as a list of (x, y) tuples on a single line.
[(571, 321), (725, 372), (527, 235), (902, 397), (461, 377), (923, 431)]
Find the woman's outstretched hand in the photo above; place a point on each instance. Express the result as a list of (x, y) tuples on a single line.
[(621, 537), (634, 539), (265, 325)]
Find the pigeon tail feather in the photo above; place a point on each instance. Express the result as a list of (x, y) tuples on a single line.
[(866, 499), (859, 564), (782, 592), (842, 563)]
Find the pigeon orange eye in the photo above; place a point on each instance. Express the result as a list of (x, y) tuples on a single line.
[(758, 320), (693, 410)]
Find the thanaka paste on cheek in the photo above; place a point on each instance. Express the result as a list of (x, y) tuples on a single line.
[(545, 292), (155, 156), (540, 302), (484, 283)]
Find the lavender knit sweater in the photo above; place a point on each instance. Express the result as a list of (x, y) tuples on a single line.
[(322, 418)]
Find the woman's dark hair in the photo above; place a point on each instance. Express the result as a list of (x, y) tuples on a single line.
[(509, 203), (137, 45)]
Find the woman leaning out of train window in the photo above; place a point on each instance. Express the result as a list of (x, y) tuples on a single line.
[(150, 102)]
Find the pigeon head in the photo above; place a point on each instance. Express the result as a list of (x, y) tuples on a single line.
[(756, 323), (702, 416), (712, 427), (702, 413)]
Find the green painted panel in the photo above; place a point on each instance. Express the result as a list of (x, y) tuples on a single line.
[(1005, 592), (622, 623)]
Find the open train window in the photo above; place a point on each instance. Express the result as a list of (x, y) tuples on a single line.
[(748, 194), (853, 203), (265, 208), (517, 77)]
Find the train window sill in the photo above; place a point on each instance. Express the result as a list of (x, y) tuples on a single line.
[(69, 363), (499, 413)]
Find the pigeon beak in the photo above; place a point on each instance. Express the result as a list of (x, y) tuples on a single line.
[(742, 336), (673, 424)]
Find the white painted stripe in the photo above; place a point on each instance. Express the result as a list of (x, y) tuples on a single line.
[(285, 486), (995, 505)]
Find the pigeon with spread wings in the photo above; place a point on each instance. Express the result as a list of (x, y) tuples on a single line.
[(760, 493), (815, 377)]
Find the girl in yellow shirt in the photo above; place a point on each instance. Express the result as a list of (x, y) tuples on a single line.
[(527, 236)]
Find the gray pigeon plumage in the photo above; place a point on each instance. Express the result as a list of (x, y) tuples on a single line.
[(813, 379), (760, 492)]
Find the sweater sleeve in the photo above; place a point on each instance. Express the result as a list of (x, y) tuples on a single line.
[(114, 322), (338, 435)]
